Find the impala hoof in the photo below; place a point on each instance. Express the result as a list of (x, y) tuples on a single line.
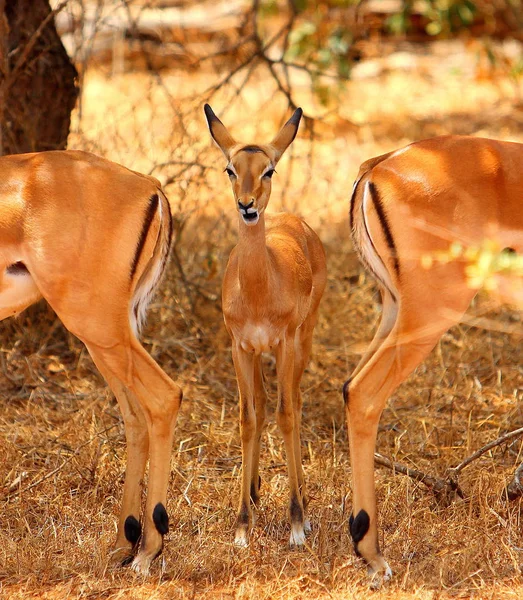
[(142, 562), (121, 557), (379, 576), (141, 565)]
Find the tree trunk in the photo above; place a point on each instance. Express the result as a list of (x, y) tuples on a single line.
[(37, 80)]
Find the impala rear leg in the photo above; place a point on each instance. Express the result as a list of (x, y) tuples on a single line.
[(129, 530), (412, 338), (160, 400)]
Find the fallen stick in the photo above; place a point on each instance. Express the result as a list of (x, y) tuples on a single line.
[(452, 474), (438, 485), (450, 483)]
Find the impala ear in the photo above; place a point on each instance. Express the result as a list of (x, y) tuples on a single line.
[(287, 134), (219, 133)]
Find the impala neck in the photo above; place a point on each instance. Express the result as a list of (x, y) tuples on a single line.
[(253, 259)]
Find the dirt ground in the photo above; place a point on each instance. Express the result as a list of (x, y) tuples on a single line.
[(62, 449)]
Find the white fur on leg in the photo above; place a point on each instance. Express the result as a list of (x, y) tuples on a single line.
[(380, 575), (141, 563), (297, 535), (240, 539)]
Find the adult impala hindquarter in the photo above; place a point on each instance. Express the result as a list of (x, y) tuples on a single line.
[(92, 238), (272, 288), (408, 206)]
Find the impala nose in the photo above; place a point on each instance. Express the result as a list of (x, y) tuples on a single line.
[(243, 206), (248, 212)]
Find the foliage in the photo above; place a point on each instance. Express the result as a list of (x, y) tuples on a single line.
[(324, 37), (484, 263), (442, 16)]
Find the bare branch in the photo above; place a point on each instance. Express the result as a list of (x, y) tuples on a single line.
[(32, 41), (444, 487), (453, 473), (439, 486)]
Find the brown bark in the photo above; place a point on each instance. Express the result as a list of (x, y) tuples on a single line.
[(37, 80)]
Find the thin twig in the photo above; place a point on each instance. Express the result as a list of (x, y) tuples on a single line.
[(31, 42), (439, 486), (184, 163), (453, 473), (450, 483)]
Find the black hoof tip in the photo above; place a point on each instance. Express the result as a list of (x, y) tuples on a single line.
[(296, 511), (127, 561), (243, 517), (359, 525), (132, 529), (161, 519)]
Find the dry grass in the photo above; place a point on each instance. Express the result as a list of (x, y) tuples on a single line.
[(61, 437)]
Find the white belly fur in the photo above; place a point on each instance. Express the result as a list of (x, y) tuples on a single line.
[(258, 337)]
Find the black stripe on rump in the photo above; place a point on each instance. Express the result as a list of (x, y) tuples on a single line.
[(169, 233), (345, 391), (171, 227), (167, 247), (151, 209), (384, 225)]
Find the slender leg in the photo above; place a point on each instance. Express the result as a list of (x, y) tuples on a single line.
[(136, 434), (159, 398), (260, 403), (244, 366), (286, 422), (409, 342)]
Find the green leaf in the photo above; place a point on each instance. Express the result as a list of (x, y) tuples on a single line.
[(433, 28)]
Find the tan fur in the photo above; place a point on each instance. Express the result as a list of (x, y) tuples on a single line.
[(272, 288), (432, 193), (75, 221)]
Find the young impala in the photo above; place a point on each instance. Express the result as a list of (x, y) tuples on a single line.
[(92, 238), (272, 288), (408, 205)]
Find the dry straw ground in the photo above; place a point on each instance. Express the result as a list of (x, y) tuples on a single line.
[(61, 436)]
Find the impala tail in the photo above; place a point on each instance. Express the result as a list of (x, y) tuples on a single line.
[(366, 198), (151, 257)]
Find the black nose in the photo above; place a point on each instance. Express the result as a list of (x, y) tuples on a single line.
[(245, 206)]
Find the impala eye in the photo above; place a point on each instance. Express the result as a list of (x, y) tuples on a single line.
[(230, 172), (269, 173)]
